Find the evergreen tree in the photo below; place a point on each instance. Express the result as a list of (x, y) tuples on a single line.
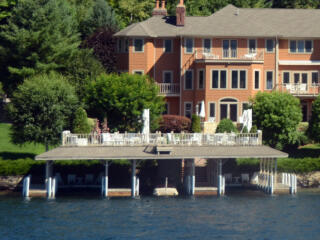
[(80, 122), (41, 36)]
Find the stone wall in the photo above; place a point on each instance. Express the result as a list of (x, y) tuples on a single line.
[(10, 182)]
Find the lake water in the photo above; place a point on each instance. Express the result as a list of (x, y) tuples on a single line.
[(236, 216)]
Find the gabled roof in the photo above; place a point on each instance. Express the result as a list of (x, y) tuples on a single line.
[(233, 22)]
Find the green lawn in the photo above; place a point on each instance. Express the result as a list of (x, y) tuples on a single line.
[(15, 159)]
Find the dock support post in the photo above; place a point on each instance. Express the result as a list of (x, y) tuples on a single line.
[(138, 187), (26, 186), (193, 178), (133, 179), (220, 179), (105, 180), (48, 180)]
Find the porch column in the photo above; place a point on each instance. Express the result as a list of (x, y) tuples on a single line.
[(133, 179), (193, 177), (275, 172)]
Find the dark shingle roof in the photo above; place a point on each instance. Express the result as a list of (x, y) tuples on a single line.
[(234, 22)]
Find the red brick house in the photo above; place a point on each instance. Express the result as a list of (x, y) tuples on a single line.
[(226, 58)]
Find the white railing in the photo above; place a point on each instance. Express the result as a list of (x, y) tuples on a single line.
[(230, 55), (299, 88), (169, 88), (139, 139), (290, 180)]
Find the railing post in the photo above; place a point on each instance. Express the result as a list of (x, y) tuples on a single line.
[(260, 137)]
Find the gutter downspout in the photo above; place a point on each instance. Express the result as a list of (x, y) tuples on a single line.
[(154, 60), (180, 77), (277, 62)]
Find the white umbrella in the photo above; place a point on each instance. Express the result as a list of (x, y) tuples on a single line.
[(202, 110)]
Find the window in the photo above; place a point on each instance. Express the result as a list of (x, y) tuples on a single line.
[(229, 48), (229, 109), (238, 79), (188, 109), (256, 79), (252, 45), (315, 78), (212, 111), (206, 45), (166, 109), (201, 79), (139, 72), (300, 78), (269, 80), (301, 46), (188, 79), (138, 45), (189, 45), (123, 45), (167, 77), (219, 79), (167, 45), (286, 78), (270, 45)]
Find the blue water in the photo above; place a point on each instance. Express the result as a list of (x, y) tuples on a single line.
[(237, 216)]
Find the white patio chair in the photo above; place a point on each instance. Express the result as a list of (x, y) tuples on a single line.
[(71, 178), (244, 178)]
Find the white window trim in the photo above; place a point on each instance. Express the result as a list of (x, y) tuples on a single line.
[(204, 78), (137, 70), (218, 88), (134, 48), (184, 108), (273, 83), (185, 46), (164, 45), (266, 49), (255, 44), (184, 82), (163, 75), (238, 70), (296, 40), (254, 79), (210, 44), (213, 119)]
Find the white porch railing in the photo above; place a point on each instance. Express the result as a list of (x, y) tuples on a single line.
[(299, 88), (169, 88), (139, 139), (230, 55)]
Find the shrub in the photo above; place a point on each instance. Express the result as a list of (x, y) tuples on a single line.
[(277, 115), (80, 122), (226, 125), (195, 124), (245, 129), (314, 124), (254, 129), (174, 123)]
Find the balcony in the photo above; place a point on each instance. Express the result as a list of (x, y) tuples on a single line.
[(230, 56), (299, 89), (169, 89), (162, 139)]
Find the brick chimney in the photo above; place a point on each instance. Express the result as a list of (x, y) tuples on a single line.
[(157, 11), (180, 14)]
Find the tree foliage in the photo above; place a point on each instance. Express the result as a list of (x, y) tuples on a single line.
[(314, 123), (80, 122), (41, 108), (122, 98), (6, 9), (277, 115), (41, 36)]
